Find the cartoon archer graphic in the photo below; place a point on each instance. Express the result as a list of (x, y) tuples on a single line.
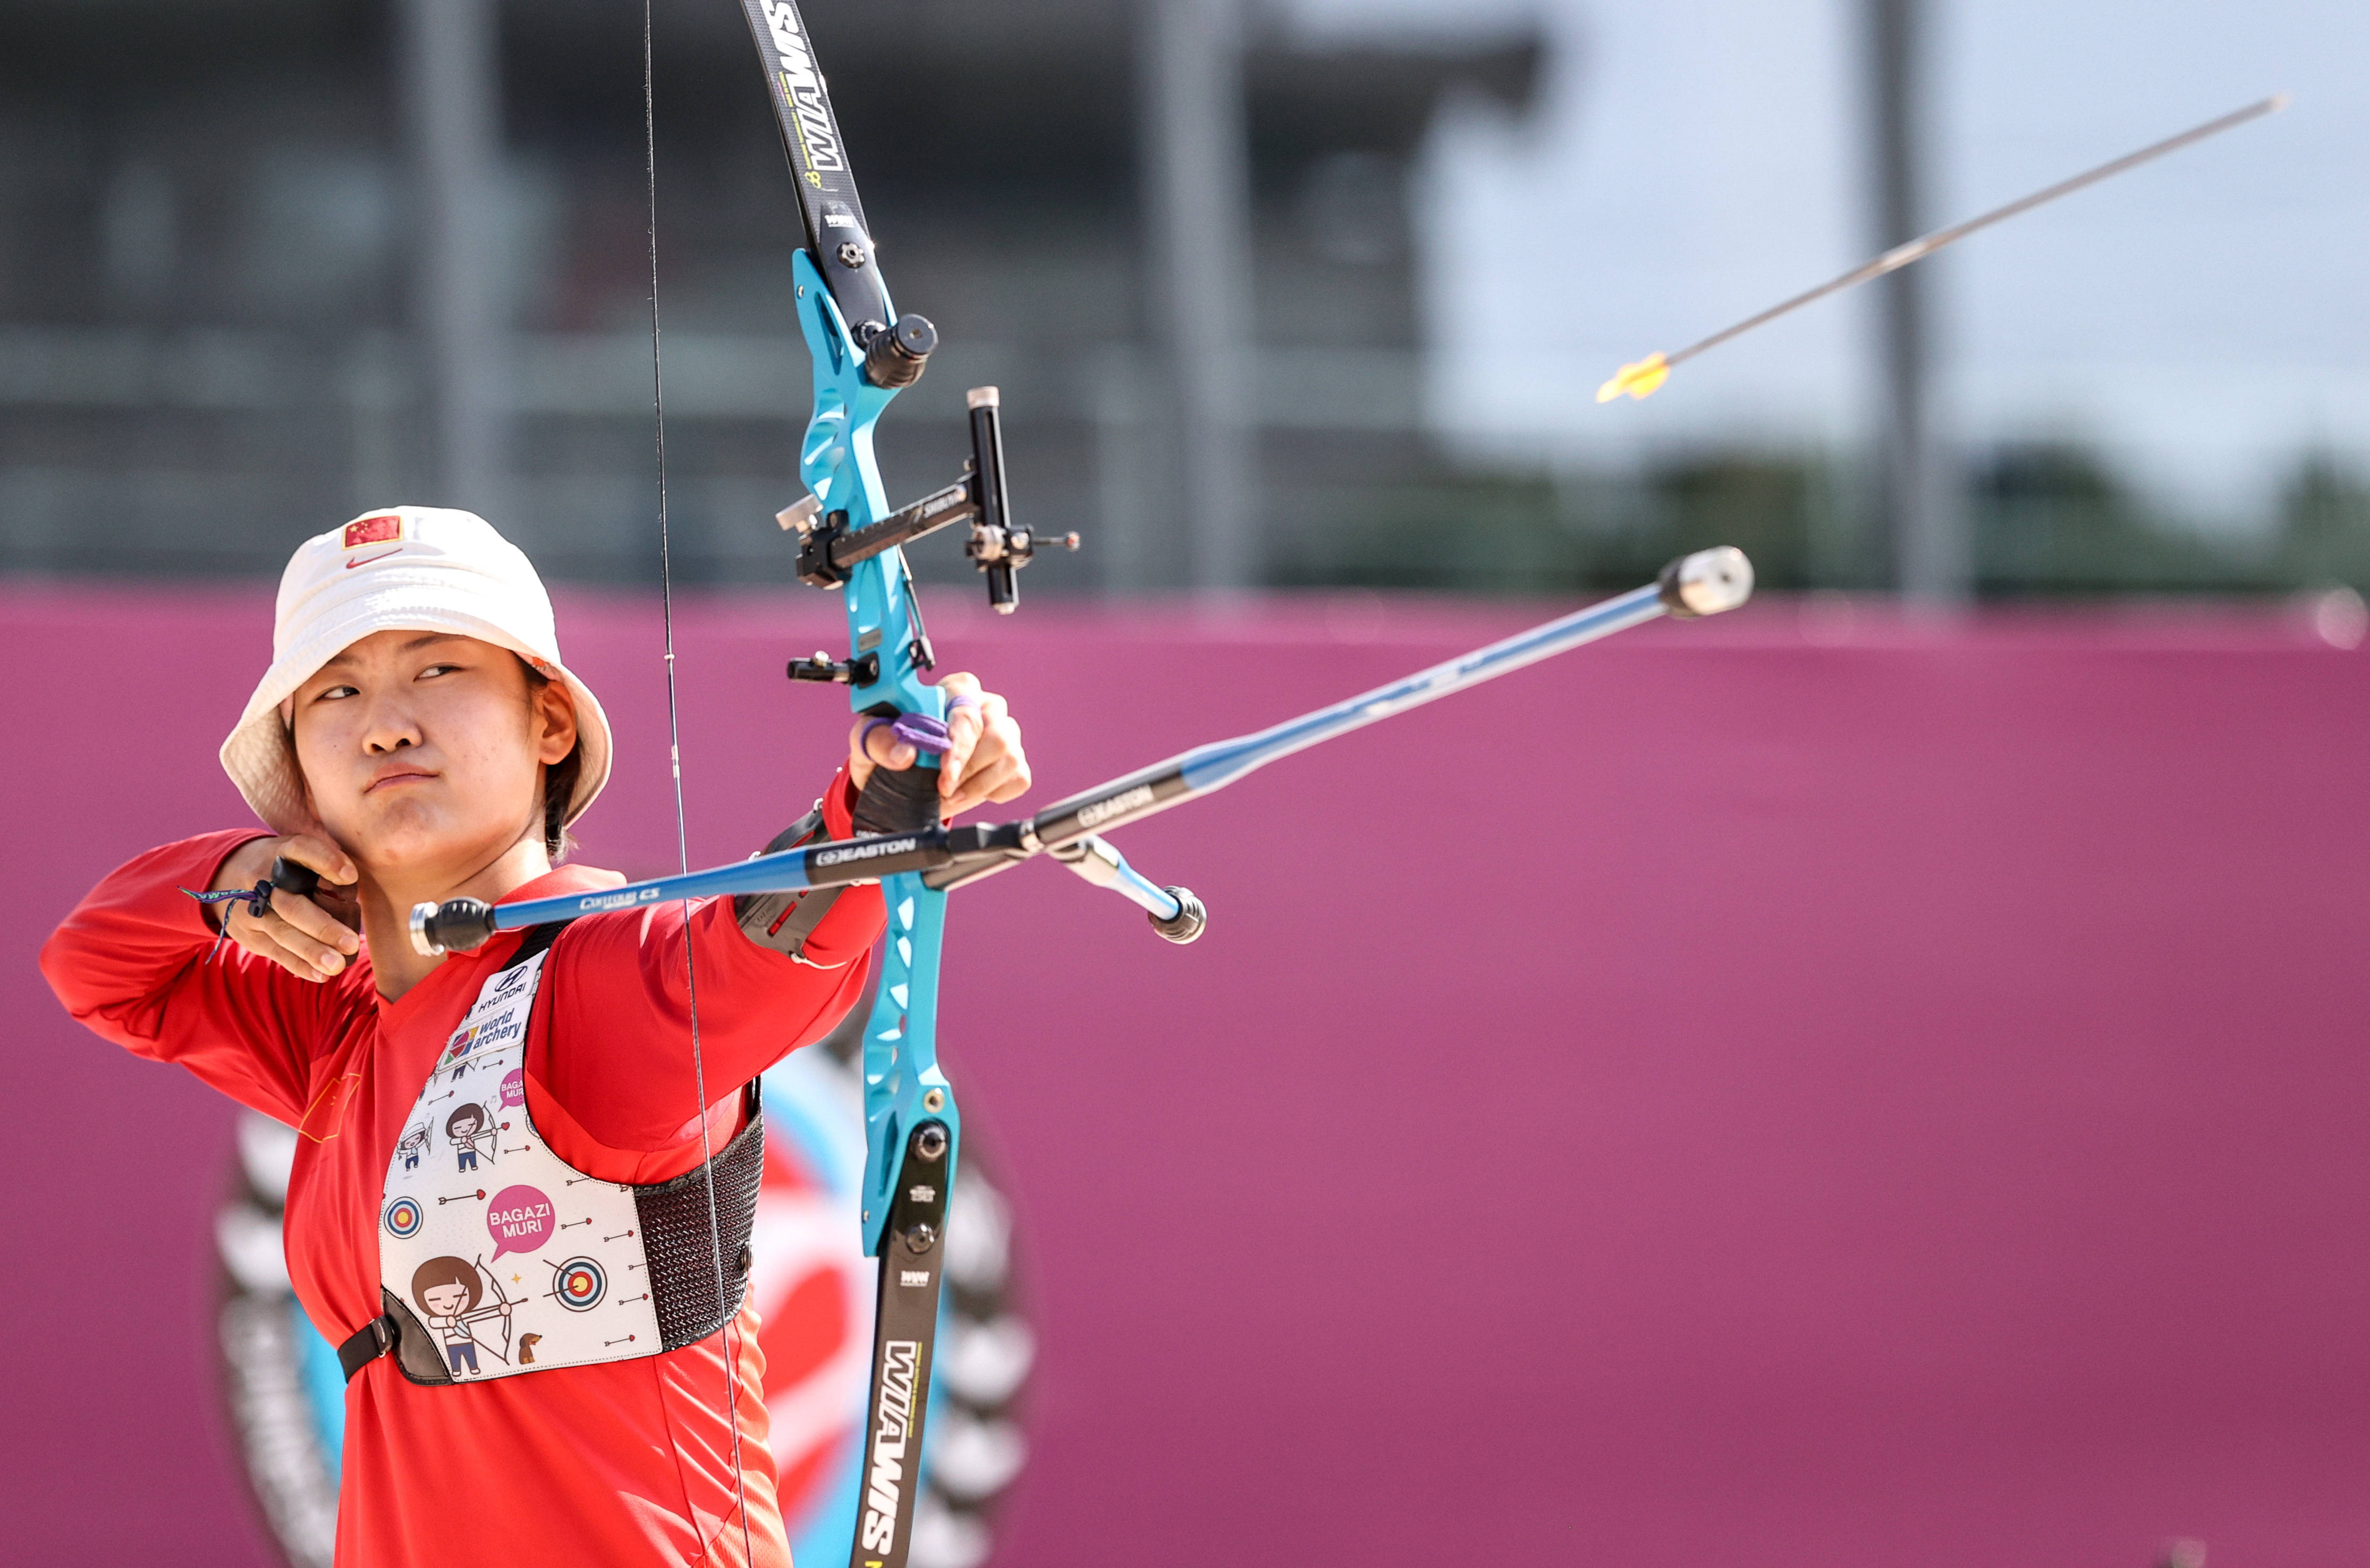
[(448, 1290), (412, 1145), (468, 1128)]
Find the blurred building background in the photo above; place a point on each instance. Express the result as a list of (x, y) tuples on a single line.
[(344, 251), (1315, 293)]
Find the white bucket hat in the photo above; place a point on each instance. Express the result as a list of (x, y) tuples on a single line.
[(407, 569)]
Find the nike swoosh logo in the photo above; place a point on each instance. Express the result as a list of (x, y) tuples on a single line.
[(367, 560)]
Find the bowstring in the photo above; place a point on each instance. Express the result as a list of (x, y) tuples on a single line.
[(675, 763)]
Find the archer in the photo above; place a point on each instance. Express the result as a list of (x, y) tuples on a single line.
[(417, 737)]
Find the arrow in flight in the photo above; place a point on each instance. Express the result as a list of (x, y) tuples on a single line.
[(1640, 379)]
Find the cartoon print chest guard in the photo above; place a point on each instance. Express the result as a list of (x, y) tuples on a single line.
[(498, 1256)]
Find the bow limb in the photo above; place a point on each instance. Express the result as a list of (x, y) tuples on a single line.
[(862, 352)]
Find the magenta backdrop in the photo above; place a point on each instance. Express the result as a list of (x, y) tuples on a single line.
[(1779, 1092)]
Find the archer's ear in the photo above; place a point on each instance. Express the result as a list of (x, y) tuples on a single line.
[(558, 706)]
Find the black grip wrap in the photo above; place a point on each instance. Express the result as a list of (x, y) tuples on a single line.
[(898, 801)]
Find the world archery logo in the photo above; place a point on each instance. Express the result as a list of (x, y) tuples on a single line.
[(404, 1218), (579, 1284), (459, 1046), (488, 1034)]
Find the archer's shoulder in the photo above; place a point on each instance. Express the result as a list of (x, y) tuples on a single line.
[(561, 880)]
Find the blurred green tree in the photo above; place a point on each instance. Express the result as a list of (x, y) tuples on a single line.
[(2048, 518), (2324, 533)]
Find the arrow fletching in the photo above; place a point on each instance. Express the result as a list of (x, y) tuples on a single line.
[(1640, 379)]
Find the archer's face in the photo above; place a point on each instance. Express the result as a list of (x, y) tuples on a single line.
[(444, 1300), (423, 753)]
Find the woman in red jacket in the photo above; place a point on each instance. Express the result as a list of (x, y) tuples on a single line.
[(418, 738)]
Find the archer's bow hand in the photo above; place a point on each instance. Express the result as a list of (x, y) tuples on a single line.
[(982, 756)]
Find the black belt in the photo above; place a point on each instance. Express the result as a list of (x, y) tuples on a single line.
[(374, 1340)]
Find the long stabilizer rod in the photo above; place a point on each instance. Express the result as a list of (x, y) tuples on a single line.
[(1704, 583), (1640, 379)]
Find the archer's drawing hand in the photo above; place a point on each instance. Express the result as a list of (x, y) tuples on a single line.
[(296, 933), (984, 760)]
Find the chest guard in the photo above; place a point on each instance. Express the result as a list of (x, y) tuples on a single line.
[(497, 1257)]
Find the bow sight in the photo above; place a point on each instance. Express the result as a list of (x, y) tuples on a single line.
[(829, 549)]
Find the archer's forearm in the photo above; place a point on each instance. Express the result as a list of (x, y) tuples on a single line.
[(137, 963)]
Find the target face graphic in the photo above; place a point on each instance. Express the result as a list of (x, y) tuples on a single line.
[(813, 1288), (403, 1219), (579, 1285)]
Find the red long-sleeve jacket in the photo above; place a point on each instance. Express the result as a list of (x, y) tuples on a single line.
[(626, 1462)]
